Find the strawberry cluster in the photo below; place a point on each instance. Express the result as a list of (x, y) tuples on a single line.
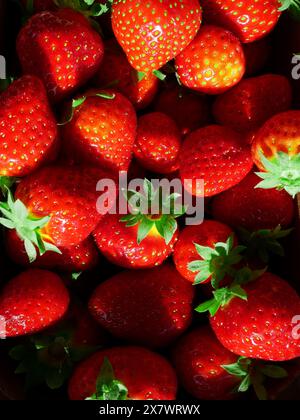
[(143, 305)]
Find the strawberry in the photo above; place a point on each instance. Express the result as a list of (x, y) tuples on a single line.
[(217, 155), (157, 143), (213, 62), (54, 207), (155, 305), (189, 109), (28, 128), (62, 48), (257, 55), (247, 106), (32, 301), (203, 240), (102, 130), (255, 319), (153, 32), (113, 375), (253, 209), (78, 258), (116, 71), (276, 151), (247, 20)]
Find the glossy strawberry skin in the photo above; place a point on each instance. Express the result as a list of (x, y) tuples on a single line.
[(249, 21), (116, 71), (28, 128), (102, 132), (206, 234), (154, 379), (62, 48), (253, 208), (216, 154), (158, 143), (118, 243), (213, 62), (66, 194), (198, 358), (33, 301), (153, 32), (262, 326), (281, 133), (155, 305), (248, 105), (81, 257)]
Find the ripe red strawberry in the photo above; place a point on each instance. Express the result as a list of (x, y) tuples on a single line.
[(201, 238), (32, 301), (198, 360), (28, 128), (257, 55), (276, 151), (213, 62), (253, 208), (102, 130), (187, 108), (248, 20), (256, 319), (116, 71), (81, 257), (62, 48), (154, 32), (158, 143), (247, 106), (155, 305), (216, 154), (113, 375)]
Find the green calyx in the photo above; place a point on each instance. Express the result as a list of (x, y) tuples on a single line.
[(254, 373), (293, 6), (27, 227), (89, 8), (163, 218), (216, 262), (282, 172), (6, 182), (108, 387)]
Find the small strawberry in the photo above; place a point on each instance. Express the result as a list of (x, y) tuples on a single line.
[(253, 208), (213, 62), (62, 48), (155, 305), (276, 151), (217, 155), (102, 130), (247, 106), (28, 128), (32, 301), (115, 71), (158, 143), (257, 55), (255, 318), (249, 20), (189, 109), (113, 375)]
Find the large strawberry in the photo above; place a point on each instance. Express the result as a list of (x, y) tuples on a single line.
[(217, 155), (155, 305), (62, 48), (157, 143), (116, 71), (247, 106), (253, 208), (31, 302), (256, 318), (102, 130), (249, 20), (113, 375), (213, 62), (28, 128), (153, 32), (276, 151)]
